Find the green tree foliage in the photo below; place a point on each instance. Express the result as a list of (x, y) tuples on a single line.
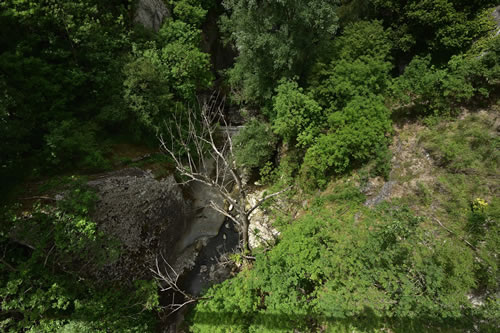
[(421, 83), (190, 11), (298, 118), (166, 74), (358, 66), (330, 269), (188, 67), (43, 284), (350, 87), (438, 90), (356, 133), (60, 62), (363, 39), (74, 70), (254, 144), (274, 40), (73, 144), (349, 78), (442, 27)]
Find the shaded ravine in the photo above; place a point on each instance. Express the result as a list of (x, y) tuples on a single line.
[(205, 273)]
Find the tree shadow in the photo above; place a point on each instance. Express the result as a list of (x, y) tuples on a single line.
[(368, 321)]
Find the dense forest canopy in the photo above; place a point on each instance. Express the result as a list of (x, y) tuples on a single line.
[(326, 90)]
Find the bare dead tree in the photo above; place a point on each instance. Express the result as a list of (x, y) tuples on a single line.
[(168, 279), (204, 139)]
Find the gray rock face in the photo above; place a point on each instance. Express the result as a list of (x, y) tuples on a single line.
[(151, 13), (146, 216), (384, 193), (204, 222), (496, 17)]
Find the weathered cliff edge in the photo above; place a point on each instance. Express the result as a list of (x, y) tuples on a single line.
[(144, 215)]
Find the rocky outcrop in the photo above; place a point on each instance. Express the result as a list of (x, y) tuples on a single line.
[(382, 195), (144, 215), (260, 230), (151, 13), (496, 17)]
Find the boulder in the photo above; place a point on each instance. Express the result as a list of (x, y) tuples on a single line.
[(496, 17), (144, 215), (151, 13)]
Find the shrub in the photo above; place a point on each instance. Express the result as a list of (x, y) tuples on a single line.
[(358, 66), (299, 118), (345, 79), (420, 84), (357, 133), (164, 74), (364, 38), (438, 90)]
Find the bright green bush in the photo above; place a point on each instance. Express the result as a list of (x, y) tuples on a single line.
[(358, 65), (189, 11), (184, 65), (421, 83), (363, 38), (298, 118), (357, 133), (349, 87), (165, 76), (345, 79)]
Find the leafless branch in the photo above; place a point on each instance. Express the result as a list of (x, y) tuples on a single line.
[(39, 197), (8, 265), (48, 254), (224, 212), (267, 197), (455, 234), (168, 279)]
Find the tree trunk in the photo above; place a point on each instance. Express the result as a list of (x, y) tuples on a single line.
[(244, 233)]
